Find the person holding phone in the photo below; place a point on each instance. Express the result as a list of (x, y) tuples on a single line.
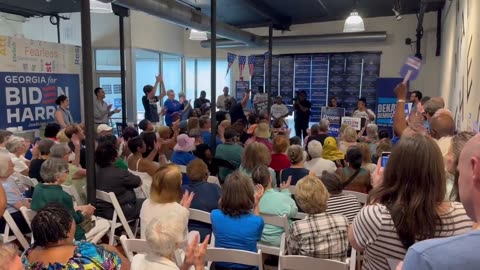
[(102, 111)]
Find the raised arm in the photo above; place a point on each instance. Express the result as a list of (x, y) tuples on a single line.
[(246, 97), (399, 122), (158, 80)]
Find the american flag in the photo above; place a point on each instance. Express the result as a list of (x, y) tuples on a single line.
[(241, 64), (230, 58), (251, 64)]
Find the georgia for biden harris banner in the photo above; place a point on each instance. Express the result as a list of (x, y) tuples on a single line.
[(28, 99)]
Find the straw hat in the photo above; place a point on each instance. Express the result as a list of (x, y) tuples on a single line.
[(263, 131)]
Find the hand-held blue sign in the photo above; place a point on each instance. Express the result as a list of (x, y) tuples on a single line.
[(411, 69)]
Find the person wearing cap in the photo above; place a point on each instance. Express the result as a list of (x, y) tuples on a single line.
[(302, 114), (149, 100), (278, 110), (230, 151), (262, 135), (183, 153), (104, 129), (102, 111)]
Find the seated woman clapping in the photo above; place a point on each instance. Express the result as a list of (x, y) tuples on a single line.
[(273, 203), (320, 234), (164, 236)]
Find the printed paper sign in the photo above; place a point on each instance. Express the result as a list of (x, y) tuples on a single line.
[(354, 122)]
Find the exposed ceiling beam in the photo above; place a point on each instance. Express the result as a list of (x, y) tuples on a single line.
[(279, 21)]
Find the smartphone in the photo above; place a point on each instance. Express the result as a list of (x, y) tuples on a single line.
[(385, 156)]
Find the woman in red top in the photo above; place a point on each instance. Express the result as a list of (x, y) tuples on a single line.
[(280, 160)]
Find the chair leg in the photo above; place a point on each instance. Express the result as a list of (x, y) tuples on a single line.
[(112, 234), (137, 222)]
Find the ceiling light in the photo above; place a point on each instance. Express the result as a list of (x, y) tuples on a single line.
[(398, 16), (198, 35), (354, 23), (97, 6)]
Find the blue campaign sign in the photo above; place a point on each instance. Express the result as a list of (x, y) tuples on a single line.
[(334, 115), (28, 99), (411, 68), (386, 103)]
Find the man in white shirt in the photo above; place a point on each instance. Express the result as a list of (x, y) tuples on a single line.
[(279, 110), (221, 99)]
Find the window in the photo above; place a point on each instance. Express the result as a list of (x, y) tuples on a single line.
[(107, 60), (147, 66), (172, 72), (198, 77)]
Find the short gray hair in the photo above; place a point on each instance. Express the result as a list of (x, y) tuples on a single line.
[(163, 234), (44, 146), (59, 150), (4, 163), (52, 168), (315, 149), (13, 143), (324, 125)]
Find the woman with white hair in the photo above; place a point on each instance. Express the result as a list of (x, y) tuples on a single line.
[(17, 148), (76, 174), (164, 236), (14, 196), (317, 164), (54, 172)]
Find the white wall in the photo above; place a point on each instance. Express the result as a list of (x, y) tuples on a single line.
[(394, 51), (460, 64)]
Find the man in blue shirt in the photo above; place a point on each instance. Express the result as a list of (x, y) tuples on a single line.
[(205, 125), (458, 252)]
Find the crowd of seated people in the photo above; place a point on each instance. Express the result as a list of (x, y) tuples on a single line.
[(428, 189)]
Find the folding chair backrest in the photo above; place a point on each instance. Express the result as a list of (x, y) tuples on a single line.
[(117, 211), (31, 182), (131, 246), (293, 262), (301, 215), (361, 197), (73, 193), (199, 215), (292, 190), (280, 221), (28, 215), (183, 168), (234, 256), (214, 180), (11, 225)]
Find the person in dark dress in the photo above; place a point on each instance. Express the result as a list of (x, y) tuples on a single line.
[(302, 114)]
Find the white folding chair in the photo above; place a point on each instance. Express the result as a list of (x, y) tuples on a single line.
[(295, 262), (183, 168), (131, 246), (292, 190), (214, 180), (17, 234), (361, 197), (31, 182), (300, 215), (279, 221), (199, 215), (28, 215), (234, 256), (72, 191), (117, 214)]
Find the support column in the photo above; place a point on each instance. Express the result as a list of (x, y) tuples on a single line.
[(213, 70)]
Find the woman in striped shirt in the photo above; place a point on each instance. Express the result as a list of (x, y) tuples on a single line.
[(407, 205)]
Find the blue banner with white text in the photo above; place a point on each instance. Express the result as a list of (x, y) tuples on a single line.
[(28, 99)]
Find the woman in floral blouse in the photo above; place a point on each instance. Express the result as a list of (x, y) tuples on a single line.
[(54, 248)]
